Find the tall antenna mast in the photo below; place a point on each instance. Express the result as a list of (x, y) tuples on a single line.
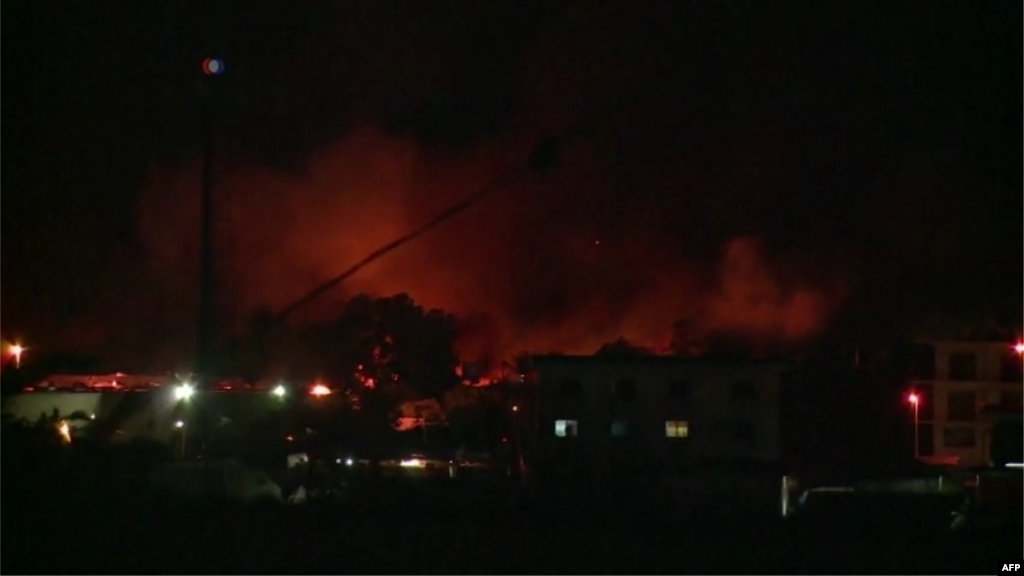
[(208, 287)]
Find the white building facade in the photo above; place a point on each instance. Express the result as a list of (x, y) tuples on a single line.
[(967, 376)]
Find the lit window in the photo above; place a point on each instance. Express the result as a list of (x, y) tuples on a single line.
[(565, 428), (619, 428), (677, 429)]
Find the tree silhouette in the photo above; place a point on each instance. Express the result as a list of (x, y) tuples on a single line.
[(386, 351), (394, 346), (622, 348)]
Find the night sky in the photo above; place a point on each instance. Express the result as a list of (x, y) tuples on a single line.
[(774, 174)]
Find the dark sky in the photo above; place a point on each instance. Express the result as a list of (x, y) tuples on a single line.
[(780, 171)]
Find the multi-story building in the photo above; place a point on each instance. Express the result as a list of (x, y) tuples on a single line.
[(962, 379), (673, 411)]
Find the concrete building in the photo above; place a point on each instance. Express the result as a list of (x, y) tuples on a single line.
[(964, 377), (674, 412)]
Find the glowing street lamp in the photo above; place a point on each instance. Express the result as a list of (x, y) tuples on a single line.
[(17, 350), (180, 425), (915, 400), (280, 391), (184, 391), (1019, 348)]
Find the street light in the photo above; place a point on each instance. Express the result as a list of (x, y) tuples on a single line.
[(17, 350), (180, 425), (1019, 348), (319, 390), (915, 400), (184, 391), (279, 391)]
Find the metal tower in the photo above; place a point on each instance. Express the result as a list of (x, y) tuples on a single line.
[(209, 286)]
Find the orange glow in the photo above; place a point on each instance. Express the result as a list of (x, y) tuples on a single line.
[(369, 188), (319, 390), (64, 429), (17, 350)]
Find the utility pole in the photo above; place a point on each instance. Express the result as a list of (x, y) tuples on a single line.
[(208, 287), (207, 327)]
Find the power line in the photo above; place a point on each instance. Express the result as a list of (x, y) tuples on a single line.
[(543, 160)]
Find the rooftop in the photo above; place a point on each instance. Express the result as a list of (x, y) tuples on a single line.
[(654, 359)]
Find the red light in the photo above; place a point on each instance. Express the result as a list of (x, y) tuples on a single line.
[(913, 398), (1019, 348), (319, 390)]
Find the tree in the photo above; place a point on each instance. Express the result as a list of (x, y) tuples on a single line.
[(475, 414), (388, 351), (622, 348), (395, 346)]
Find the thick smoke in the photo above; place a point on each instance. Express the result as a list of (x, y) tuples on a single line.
[(525, 270), (643, 223)]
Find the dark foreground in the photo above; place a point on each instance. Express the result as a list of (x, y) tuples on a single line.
[(73, 534)]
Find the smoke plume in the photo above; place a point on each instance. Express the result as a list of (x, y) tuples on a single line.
[(527, 270)]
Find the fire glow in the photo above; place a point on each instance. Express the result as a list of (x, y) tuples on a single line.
[(303, 231)]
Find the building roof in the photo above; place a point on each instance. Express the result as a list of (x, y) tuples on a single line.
[(655, 359)]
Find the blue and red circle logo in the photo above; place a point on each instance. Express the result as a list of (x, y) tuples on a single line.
[(213, 66)]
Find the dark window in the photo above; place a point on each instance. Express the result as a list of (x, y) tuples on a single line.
[(1011, 399), (570, 388), (959, 437), (680, 390), (1012, 368), (626, 390), (961, 406), (744, 390), (963, 366), (742, 433), (926, 440), (620, 428)]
